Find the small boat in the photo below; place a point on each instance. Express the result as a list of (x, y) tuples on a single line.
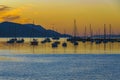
[(92, 40), (75, 43), (54, 36), (57, 42), (11, 41), (46, 40), (110, 35), (54, 45), (64, 44), (111, 40), (118, 40), (34, 42), (20, 41), (105, 40), (98, 41), (84, 40), (43, 42), (74, 39), (91, 35)]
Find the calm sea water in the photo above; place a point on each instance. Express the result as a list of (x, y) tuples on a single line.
[(60, 67), (83, 62)]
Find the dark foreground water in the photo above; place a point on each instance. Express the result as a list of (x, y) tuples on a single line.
[(60, 67)]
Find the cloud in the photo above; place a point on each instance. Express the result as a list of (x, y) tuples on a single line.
[(9, 14), (13, 14), (3, 8), (11, 17)]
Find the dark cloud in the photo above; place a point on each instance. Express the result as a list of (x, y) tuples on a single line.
[(11, 17), (3, 7), (10, 14)]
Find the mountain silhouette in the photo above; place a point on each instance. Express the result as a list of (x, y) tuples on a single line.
[(10, 29)]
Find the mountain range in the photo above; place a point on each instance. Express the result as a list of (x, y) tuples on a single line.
[(10, 29)]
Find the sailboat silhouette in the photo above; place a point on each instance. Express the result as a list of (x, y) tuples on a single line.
[(34, 41), (13, 40), (64, 44)]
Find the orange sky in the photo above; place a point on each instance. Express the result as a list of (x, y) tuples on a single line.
[(60, 14)]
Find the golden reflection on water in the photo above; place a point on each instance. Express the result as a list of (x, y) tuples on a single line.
[(82, 48)]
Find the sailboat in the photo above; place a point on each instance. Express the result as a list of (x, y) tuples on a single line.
[(74, 39), (13, 40), (20, 41), (84, 39), (46, 40), (54, 36), (54, 45), (34, 41), (105, 39), (64, 44), (118, 40), (98, 40), (110, 34), (91, 34), (75, 34)]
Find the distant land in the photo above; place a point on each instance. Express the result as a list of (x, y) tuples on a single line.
[(107, 36), (10, 29)]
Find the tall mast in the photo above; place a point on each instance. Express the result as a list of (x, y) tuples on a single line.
[(99, 33), (64, 32), (53, 30), (91, 31), (104, 31), (75, 28), (85, 32), (110, 32)]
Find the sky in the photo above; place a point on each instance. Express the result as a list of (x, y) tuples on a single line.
[(60, 14)]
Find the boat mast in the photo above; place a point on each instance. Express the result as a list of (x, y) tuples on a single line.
[(31, 35), (110, 32), (104, 31), (75, 28), (99, 34), (53, 30), (91, 32), (85, 33), (64, 34)]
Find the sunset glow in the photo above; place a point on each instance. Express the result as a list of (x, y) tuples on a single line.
[(60, 14)]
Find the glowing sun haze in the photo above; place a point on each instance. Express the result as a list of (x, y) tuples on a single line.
[(61, 13)]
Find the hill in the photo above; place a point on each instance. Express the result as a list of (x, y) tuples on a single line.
[(10, 29)]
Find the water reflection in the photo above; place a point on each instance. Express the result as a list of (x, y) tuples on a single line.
[(82, 48)]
